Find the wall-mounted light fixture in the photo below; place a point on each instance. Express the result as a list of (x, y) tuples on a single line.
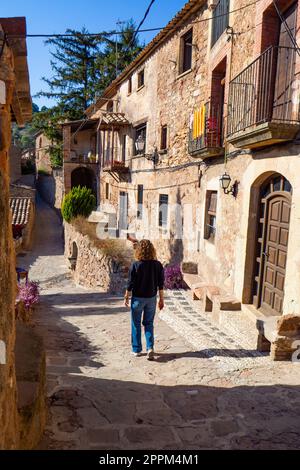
[(140, 148), (225, 181)]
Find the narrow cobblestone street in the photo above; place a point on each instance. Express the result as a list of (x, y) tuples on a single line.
[(217, 395)]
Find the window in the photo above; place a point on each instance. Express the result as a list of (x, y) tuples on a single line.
[(141, 79), (140, 131), (220, 20), (124, 143), (129, 85), (140, 199), (211, 215), (164, 138), (186, 52), (106, 190), (110, 107), (163, 210)]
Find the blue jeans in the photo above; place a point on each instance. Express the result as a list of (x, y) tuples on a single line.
[(140, 305)]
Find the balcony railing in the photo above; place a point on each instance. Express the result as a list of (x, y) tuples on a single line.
[(206, 134), (76, 157), (115, 160), (263, 92)]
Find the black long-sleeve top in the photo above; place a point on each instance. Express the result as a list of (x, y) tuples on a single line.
[(145, 277)]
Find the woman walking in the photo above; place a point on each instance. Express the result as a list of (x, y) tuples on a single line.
[(146, 277)]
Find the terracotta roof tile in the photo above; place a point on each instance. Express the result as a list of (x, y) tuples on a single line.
[(20, 208)]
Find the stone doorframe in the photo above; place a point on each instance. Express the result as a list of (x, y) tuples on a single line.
[(247, 297)]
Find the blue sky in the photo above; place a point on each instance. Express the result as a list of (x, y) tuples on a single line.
[(55, 16)]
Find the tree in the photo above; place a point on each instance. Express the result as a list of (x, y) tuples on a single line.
[(83, 67), (74, 70), (24, 138), (117, 54)]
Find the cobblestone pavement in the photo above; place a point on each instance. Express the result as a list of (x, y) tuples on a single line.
[(203, 391)]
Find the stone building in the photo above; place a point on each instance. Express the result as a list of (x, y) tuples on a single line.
[(205, 162), (42, 158), (17, 416)]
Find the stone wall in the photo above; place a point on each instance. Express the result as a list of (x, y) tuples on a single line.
[(51, 188), (42, 144), (9, 431), (93, 267), (15, 163)]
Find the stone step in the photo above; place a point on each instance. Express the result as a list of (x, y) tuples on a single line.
[(193, 281)]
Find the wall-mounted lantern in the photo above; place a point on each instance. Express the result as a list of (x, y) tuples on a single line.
[(140, 148), (225, 181)]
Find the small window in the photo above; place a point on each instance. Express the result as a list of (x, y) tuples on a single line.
[(106, 190), (129, 85), (124, 144), (211, 215), (140, 131), (140, 200), (163, 210), (164, 138), (186, 52), (141, 78), (110, 107), (40, 143), (220, 20)]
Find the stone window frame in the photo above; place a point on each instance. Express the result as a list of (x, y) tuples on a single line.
[(210, 218)]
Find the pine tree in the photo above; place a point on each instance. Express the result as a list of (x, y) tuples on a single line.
[(83, 67), (117, 54), (75, 74)]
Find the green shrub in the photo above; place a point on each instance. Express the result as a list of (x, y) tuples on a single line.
[(79, 201)]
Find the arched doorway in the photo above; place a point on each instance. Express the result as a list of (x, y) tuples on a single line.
[(83, 176), (271, 244)]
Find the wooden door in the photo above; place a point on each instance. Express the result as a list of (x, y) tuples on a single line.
[(272, 245), (285, 74), (275, 254)]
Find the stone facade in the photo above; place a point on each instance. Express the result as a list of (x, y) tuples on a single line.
[(92, 267), (42, 158), (223, 240), (17, 412), (51, 188)]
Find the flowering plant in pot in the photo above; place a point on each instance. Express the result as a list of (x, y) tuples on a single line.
[(28, 293), (173, 277)]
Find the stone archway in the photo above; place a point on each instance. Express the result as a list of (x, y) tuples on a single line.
[(267, 243), (83, 176)]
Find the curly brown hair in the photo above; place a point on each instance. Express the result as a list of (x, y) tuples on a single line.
[(144, 251)]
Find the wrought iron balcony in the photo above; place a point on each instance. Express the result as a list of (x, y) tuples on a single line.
[(262, 110), (205, 136)]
